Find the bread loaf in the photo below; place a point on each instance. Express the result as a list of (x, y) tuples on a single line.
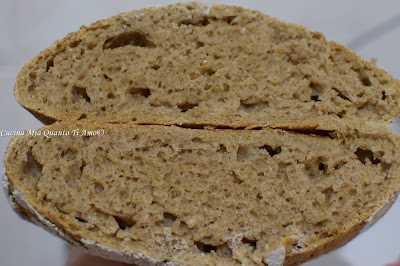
[(211, 197), (188, 64), (204, 136)]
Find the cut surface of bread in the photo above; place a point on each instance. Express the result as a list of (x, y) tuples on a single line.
[(189, 64), (211, 197), (118, 177)]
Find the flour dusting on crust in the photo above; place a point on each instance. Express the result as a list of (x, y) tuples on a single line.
[(277, 257), (6, 187), (379, 212)]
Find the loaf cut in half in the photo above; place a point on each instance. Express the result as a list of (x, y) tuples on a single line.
[(189, 64), (172, 195)]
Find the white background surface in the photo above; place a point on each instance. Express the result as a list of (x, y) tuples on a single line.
[(371, 28)]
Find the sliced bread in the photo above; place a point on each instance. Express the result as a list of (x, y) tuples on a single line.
[(189, 64), (158, 194), (118, 177)]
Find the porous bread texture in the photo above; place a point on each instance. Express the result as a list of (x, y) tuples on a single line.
[(167, 195), (189, 64), (26, 211), (205, 196)]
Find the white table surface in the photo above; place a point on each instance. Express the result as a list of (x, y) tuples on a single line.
[(371, 28)]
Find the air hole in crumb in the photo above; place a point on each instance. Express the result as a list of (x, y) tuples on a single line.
[(341, 95), (75, 43), (107, 77), (124, 222), (197, 140), (253, 107), (82, 116), (272, 152), (241, 153), (49, 64), (322, 167), (366, 81), (321, 224), (103, 108), (328, 193), (201, 22), (187, 106), (204, 247), (32, 78), (169, 219), (297, 246), (32, 167), (98, 187), (229, 19), (383, 96), (91, 45), (129, 38), (287, 224), (363, 155), (338, 166), (110, 95), (156, 67), (80, 93), (362, 76), (316, 90), (252, 243), (80, 220), (236, 178), (326, 235), (208, 71), (341, 114), (139, 92), (353, 191), (68, 154), (82, 166), (222, 148), (224, 251), (385, 167), (199, 44)]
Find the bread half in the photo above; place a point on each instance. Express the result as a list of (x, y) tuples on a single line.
[(193, 65), (171, 195)]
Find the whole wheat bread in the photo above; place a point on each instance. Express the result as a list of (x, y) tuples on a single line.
[(213, 197), (188, 64), (161, 187)]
